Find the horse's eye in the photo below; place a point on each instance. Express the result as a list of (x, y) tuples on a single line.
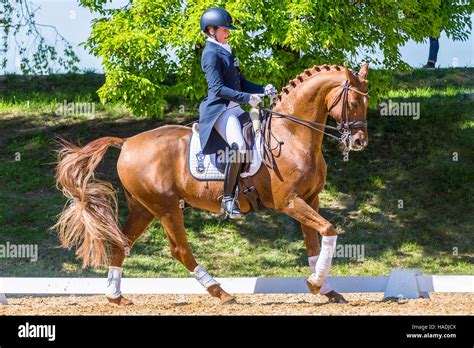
[(354, 104)]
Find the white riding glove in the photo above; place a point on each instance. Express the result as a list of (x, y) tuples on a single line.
[(255, 100), (270, 90)]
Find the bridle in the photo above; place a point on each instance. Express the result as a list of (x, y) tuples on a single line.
[(344, 126)]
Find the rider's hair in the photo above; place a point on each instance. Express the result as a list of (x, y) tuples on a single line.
[(207, 32)]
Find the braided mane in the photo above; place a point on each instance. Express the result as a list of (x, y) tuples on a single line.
[(307, 73)]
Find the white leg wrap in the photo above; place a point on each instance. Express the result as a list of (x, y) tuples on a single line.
[(323, 264), (204, 278), (113, 282), (312, 264)]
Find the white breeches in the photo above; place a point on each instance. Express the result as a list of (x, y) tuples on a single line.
[(228, 127)]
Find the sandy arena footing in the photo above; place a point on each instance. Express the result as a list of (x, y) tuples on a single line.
[(274, 304)]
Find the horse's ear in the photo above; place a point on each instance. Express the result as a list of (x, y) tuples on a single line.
[(364, 71)]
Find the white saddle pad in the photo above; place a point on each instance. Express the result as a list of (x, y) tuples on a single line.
[(202, 166)]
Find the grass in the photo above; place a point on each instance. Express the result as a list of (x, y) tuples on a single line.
[(406, 198)]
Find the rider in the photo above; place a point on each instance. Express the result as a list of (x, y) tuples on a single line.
[(219, 111)]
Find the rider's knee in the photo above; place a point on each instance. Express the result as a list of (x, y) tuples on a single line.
[(234, 134), (239, 151), (239, 146)]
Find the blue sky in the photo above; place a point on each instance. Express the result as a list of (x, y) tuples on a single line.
[(73, 22)]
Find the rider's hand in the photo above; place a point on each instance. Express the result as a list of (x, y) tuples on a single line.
[(270, 90), (255, 100)]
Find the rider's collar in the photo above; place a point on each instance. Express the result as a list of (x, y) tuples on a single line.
[(225, 46)]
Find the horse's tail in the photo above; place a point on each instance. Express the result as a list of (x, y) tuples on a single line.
[(89, 219)]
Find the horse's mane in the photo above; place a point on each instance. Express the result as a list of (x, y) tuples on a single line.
[(307, 73)]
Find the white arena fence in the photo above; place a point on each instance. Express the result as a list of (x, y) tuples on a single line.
[(401, 283)]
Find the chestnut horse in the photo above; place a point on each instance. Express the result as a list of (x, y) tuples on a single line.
[(152, 168)]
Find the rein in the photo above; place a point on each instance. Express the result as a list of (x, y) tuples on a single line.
[(344, 126)]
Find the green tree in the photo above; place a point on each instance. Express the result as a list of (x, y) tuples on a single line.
[(36, 54), (152, 48)]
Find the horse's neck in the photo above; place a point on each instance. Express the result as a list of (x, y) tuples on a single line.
[(308, 102)]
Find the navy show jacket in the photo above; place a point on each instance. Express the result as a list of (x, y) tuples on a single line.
[(225, 83)]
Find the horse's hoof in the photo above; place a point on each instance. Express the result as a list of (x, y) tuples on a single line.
[(335, 297), (228, 299), (313, 288), (120, 301), (216, 291)]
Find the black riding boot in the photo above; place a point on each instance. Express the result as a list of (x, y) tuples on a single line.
[(232, 173)]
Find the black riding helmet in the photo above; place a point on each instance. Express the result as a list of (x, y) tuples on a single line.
[(217, 17)]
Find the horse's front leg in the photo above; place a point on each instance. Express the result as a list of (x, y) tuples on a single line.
[(298, 209), (313, 250)]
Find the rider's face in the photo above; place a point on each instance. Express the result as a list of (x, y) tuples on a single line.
[(221, 34)]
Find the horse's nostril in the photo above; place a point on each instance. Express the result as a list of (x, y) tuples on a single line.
[(358, 142)]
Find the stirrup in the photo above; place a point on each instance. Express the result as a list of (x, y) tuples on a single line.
[(234, 212)]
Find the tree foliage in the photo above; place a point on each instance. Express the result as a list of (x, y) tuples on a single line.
[(152, 48), (35, 54)]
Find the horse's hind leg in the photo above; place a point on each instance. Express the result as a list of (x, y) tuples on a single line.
[(138, 220), (173, 223)]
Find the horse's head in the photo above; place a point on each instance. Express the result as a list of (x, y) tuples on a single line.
[(347, 104)]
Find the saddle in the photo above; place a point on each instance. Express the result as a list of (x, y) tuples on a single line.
[(212, 167)]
